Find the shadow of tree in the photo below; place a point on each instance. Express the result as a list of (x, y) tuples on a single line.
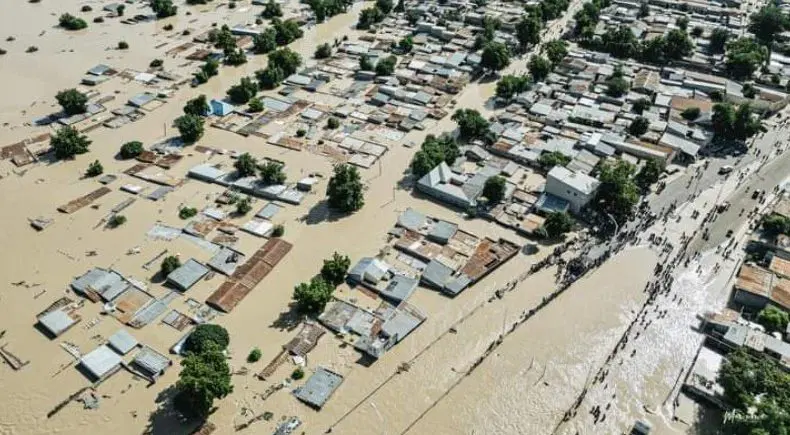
[(321, 213), (165, 420), (288, 320)]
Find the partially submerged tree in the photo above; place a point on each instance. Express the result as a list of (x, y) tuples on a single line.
[(345, 189), (334, 269), (197, 106), (190, 127), (272, 173), (557, 224), (204, 334), (132, 149), (70, 22), (72, 101), (205, 377), (246, 165), (312, 297), (169, 264), (68, 142), (94, 169), (163, 8), (244, 91)]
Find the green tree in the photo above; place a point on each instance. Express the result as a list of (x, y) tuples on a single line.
[(235, 57), (620, 42), (70, 22), (334, 269), (386, 66), (618, 193), (243, 206), (187, 212), (345, 189), (332, 123), (494, 189), (557, 224), (691, 113), (495, 56), (116, 221), (246, 165), (205, 333), (365, 64), (638, 126), (271, 10), (677, 45), (718, 40), (551, 159), (68, 142), (384, 6), (556, 50), (539, 68), (406, 45), (72, 101), (265, 42), (471, 125), (94, 169), (132, 149), (205, 377), (682, 23), (223, 39), (616, 85), (286, 31), (207, 71), (649, 174), (270, 78), (744, 57), (748, 90), (528, 31), (272, 173), (509, 86), (197, 106), (169, 264), (255, 105), (285, 59), (278, 230), (312, 297), (774, 224), (768, 22), (323, 51), (123, 45), (190, 127), (640, 105), (243, 92), (297, 374), (254, 355), (368, 17), (163, 8), (697, 31), (774, 319), (434, 150)]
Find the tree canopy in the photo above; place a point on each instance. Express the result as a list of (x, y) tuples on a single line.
[(433, 151), (730, 123), (556, 50), (244, 91), (72, 101), (528, 31), (169, 264), (265, 41), (345, 190), (190, 127), (718, 40), (618, 193), (691, 113), (246, 165), (471, 125), (68, 142), (494, 189), (271, 9), (323, 51), (774, 224), (311, 297), (70, 22), (759, 391), (270, 78), (768, 22), (132, 149), (641, 105), (272, 173), (206, 333), (386, 66), (205, 377), (285, 59), (509, 86), (638, 126), (773, 319), (744, 57), (495, 56), (557, 224), (649, 174), (539, 68), (197, 106), (548, 160), (334, 269), (163, 8)]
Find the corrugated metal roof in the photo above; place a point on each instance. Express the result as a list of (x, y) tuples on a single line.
[(319, 387), (56, 322), (122, 341), (188, 274), (101, 361), (151, 361)]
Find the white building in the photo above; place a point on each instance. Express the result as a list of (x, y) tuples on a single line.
[(575, 187)]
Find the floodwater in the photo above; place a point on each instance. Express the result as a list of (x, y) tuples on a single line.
[(523, 388)]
